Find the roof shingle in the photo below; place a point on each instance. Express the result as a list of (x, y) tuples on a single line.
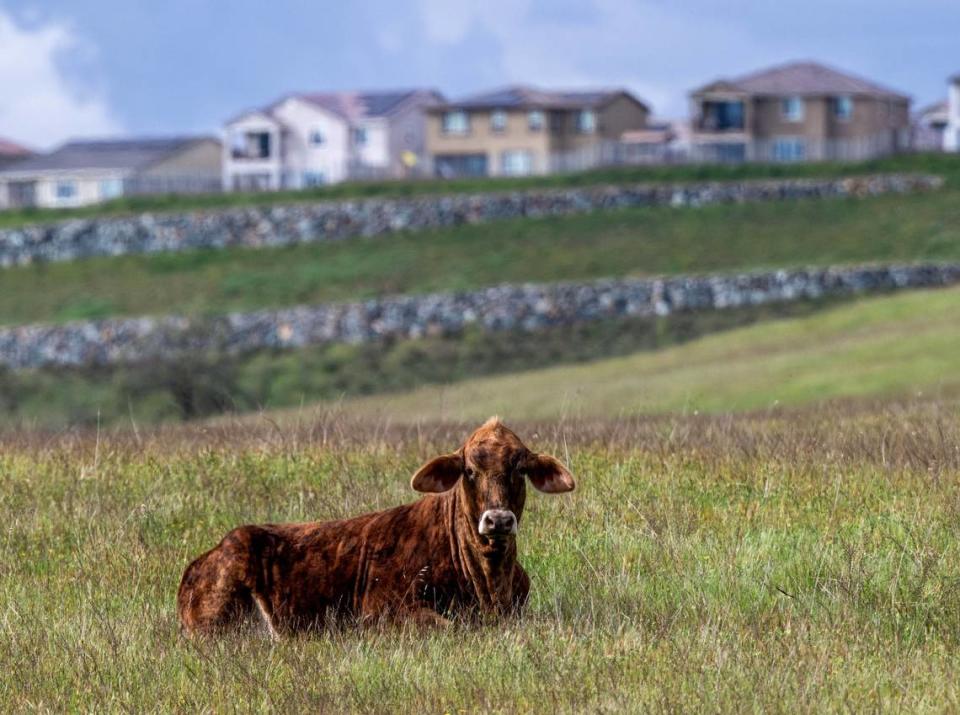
[(122, 154), (806, 78)]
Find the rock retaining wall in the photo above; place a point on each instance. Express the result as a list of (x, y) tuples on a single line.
[(526, 307), (337, 220)]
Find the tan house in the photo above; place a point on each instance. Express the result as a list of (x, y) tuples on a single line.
[(88, 172), (796, 112), (518, 131)]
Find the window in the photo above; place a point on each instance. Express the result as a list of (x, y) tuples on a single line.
[(498, 120), (360, 136), (536, 120), (586, 121), (111, 188), (456, 122), (316, 138), (516, 163), (843, 108), (65, 190), (789, 149), (313, 178), (792, 109)]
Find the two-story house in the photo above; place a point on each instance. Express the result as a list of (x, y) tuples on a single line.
[(951, 133), (795, 112), (310, 139), (518, 131)]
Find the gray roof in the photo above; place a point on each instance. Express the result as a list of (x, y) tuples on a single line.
[(804, 78), (352, 105), (521, 96), (122, 154)]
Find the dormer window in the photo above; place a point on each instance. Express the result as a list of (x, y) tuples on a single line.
[(455, 122), (792, 109), (498, 120)]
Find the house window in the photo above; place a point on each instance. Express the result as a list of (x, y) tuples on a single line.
[(516, 163), (586, 121), (456, 122), (111, 188), (360, 136), (312, 179), (316, 138), (792, 109), (789, 149), (843, 108), (536, 120), (498, 120), (65, 190)]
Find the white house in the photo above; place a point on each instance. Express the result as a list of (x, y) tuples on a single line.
[(310, 139), (951, 135), (90, 171)]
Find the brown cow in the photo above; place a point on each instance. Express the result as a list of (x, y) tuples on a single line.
[(452, 553)]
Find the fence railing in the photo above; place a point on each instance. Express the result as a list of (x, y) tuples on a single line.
[(703, 151)]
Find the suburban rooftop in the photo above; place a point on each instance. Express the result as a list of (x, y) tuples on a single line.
[(523, 96), (803, 78), (350, 105), (106, 154)]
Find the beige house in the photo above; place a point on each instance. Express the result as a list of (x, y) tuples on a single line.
[(80, 173), (520, 130), (796, 112)]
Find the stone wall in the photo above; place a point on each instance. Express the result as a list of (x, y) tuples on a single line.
[(337, 220), (526, 307)]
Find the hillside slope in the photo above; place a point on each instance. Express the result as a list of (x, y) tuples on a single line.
[(605, 244), (876, 347)]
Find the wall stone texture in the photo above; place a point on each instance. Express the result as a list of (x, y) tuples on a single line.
[(338, 220), (506, 307)]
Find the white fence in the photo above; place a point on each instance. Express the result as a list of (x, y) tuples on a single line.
[(782, 150)]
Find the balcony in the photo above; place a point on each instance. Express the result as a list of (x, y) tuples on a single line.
[(251, 146), (721, 117)]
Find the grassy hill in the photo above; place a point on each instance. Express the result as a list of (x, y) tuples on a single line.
[(803, 564), (639, 241), (882, 346), (934, 163)]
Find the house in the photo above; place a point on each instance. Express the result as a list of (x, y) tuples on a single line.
[(951, 134), (929, 127), (520, 130), (798, 111), (310, 139), (87, 172), (11, 152)]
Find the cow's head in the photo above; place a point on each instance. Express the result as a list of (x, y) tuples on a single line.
[(491, 470)]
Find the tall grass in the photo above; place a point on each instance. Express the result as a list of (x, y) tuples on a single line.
[(793, 562)]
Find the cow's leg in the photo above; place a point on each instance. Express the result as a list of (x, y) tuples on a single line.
[(266, 612), (215, 589)]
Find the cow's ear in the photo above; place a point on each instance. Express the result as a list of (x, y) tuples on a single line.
[(439, 474), (547, 474)]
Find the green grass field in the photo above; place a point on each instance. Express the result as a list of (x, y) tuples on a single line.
[(801, 563), (936, 163), (630, 242), (894, 345)]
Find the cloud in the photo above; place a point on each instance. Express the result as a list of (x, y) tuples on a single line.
[(43, 104), (660, 49)]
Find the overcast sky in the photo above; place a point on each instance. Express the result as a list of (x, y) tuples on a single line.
[(96, 67)]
